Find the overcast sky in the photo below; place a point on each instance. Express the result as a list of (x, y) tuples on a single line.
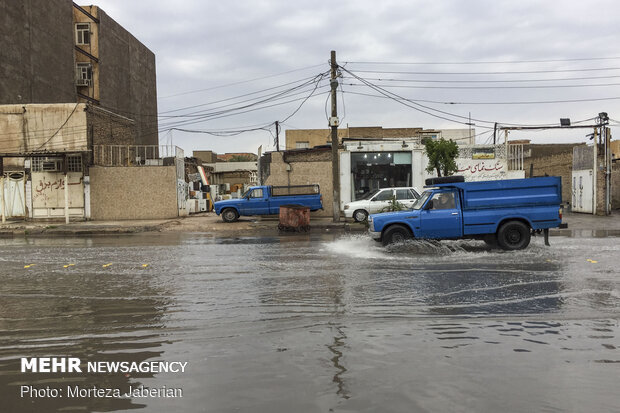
[(480, 57)]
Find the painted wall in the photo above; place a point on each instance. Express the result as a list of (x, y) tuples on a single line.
[(36, 57), (119, 193), (43, 127)]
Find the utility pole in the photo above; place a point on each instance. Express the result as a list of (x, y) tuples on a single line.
[(333, 123), (277, 136)]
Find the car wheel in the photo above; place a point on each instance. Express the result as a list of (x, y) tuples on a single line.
[(360, 215), (229, 215), (394, 234), (513, 235)]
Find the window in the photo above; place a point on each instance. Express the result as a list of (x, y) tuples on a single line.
[(84, 74), (257, 193), (74, 163), (384, 195), (82, 33), (302, 145), (443, 200), (404, 194)]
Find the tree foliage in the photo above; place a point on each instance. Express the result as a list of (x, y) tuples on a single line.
[(441, 156)]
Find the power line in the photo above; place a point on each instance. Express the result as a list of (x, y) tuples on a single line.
[(532, 102), (492, 87), (490, 73), (240, 82), (487, 62), (492, 81)]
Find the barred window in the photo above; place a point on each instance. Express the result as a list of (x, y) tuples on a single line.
[(74, 163), (44, 164)]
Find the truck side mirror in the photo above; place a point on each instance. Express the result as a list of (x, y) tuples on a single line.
[(429, 204)]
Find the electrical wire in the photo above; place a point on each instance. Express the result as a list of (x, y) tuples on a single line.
[(487, 62), (240, 82)]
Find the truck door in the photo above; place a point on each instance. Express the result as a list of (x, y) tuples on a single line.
[(442, 217), (256, 203)]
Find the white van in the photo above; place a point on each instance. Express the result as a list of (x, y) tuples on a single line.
[(378, 200)]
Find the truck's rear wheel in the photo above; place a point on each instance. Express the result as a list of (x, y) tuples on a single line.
[(513, 235), (360, 215), (229, 215), (394, 234)]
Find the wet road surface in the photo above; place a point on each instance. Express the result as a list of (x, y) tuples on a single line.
[(316, 323)]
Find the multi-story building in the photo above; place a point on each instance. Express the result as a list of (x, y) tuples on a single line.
[(58, 52)]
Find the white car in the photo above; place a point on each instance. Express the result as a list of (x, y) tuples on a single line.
[(379, 200)]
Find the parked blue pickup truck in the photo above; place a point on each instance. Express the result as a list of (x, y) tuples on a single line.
[(503, 212), (267, 200)]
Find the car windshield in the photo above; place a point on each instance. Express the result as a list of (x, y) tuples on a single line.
[(246, 193), (368, 195), (418, 204)]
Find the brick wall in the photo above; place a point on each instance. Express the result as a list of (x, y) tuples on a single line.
[(313, 168), (553, 165), (119, 193), (106, 128)]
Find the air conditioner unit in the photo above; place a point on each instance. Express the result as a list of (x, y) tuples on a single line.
[(82, 82)]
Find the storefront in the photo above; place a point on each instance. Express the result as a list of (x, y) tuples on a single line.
[(369, 165)]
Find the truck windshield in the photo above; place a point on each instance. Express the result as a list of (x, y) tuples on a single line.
[(421, 201)]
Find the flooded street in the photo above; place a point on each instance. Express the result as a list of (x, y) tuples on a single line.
[(315, 323)]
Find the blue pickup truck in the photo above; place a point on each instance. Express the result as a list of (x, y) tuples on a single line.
[(503, 212), (267, 200)]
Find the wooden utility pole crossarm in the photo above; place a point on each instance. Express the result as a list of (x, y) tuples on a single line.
[(333, 123)]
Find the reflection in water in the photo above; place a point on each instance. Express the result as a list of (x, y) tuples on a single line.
[(84, 311), (317, 322), (336, 348)]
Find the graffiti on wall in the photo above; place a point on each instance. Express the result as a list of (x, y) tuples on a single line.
[(48, 190)]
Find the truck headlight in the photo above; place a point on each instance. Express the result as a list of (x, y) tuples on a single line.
[(346, 207), (370, 224)]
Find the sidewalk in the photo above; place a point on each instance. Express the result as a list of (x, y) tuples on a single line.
[(211, 223)]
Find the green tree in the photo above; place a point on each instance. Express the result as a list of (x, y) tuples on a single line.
[(441, 156)]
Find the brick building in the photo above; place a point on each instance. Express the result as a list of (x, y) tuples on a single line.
[(58, 52)]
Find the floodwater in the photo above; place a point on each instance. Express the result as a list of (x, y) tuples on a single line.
[(315, 323)]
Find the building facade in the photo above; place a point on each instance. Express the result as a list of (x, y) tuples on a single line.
[(58, 52), (310, 138)]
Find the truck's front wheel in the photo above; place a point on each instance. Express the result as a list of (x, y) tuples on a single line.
[(513, 235), (229, 215), (394, 234)]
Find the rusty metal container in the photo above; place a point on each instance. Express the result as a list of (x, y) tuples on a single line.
[(294, 218)]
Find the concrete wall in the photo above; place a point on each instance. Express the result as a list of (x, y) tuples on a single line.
[(127, 78), (304, 169), (43, 127), (36, 52), (118, 193)]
